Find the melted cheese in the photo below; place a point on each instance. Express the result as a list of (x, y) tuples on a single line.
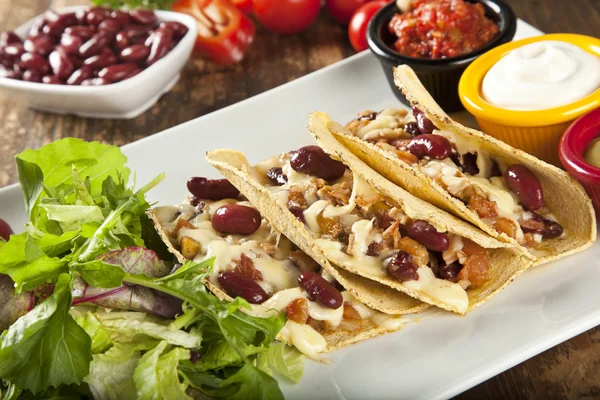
[(311, 214), (333, 251), (304, 338), (439, 289), (363, 311)]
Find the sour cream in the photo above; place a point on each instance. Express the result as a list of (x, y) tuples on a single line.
[(542, 75)]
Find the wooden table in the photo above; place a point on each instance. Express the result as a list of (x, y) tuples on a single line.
[(569, 370)]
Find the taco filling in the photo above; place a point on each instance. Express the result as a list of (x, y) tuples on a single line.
[(361, 229), (256, 263), (508, 198)]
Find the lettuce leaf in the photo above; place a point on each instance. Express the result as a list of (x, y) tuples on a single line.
[(111, 373), (55, 161), (244, 383), (101, 340), (27, 265), (285, 360), (233, 333), (156, 376), (46, 347), (128, 327)]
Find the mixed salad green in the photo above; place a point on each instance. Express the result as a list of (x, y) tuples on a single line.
[(92, 305)]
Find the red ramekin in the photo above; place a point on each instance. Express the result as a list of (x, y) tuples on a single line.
[(572, 147)]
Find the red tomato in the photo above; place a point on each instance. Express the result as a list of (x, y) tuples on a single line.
[(244, 5), (223, 40), (286, 16), (357, 30), (342, 10), (5, 230)]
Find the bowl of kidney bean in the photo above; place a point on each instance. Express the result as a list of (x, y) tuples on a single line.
[(573, 149), (94, 61)]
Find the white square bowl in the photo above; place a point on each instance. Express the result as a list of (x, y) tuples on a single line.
[(124, 100)]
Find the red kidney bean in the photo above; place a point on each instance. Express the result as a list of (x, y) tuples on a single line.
[(143, 17), (51, 80), (76, 61), (14, 50), (236, 284), (54, 28), (84, 32), (450, 272), (70, 43), (117, 72), (469, 164), (6, 72), (320, 290), (96, 16), (552, 229), (110, 24), (81, 16), (104, 59), (122, 40), (120, 16), (137, 31), (32, 75), (425, 125), (42, 44), (212, 189), (298, 213), (415, 111), (37, 28), (277, 176), (135, 53), (61, 64), (401, 267), (95, 82), (5, 230), (34, 61), (7, 38), (236, 219), (94, 46), (65, 19), (80, 75), (313, 160), (148, 41), (179, 29), (161, 44), (412, 129), (424, 233), (525, 185), (539, 225), (132, 74), (434, 146)]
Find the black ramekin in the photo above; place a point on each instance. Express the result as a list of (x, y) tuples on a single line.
[(440, 76)]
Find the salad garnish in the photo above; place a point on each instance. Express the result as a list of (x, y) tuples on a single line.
[(93, 306)]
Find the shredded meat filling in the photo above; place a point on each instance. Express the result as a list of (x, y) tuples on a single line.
[(483, 207), (338, 194), (296, 199), (476, 266), (245, 266)]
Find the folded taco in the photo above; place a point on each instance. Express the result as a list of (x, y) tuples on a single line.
[(254, 262), (506, 192), (370, 227)]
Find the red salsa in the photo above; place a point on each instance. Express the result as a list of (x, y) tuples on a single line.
[(442, 29)]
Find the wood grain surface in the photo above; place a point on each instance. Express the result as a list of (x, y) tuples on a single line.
[(570, 370)]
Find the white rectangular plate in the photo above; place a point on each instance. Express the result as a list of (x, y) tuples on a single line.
[(436, 358)]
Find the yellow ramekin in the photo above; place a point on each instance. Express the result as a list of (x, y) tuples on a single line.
[(536, 132)]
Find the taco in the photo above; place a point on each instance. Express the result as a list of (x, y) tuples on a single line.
[(256, 263), (506, 192), (368, 226)]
